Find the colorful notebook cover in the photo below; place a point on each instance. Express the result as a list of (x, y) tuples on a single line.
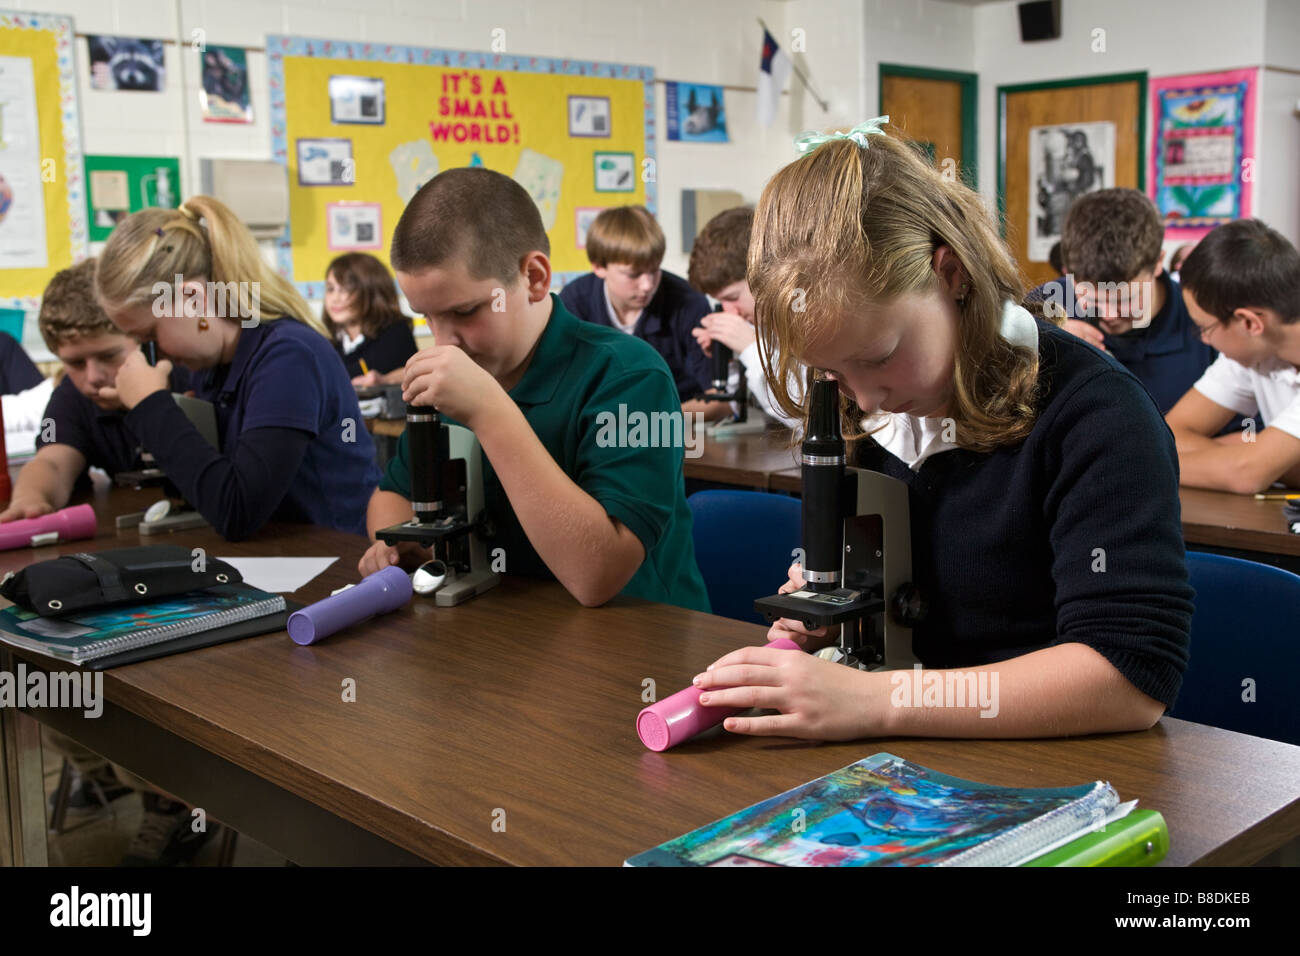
[(886, 811), (83, 637)]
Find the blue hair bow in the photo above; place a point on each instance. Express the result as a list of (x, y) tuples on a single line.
[(805, 143)]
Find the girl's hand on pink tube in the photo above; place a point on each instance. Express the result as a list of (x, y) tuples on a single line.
[(817, 700)]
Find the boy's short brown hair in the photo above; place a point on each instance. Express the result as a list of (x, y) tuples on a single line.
[(69, 309), (473, 213), (721, 251), (626, 235), (1242, 265), (1111, 235)]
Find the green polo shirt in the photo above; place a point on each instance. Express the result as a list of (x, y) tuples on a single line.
[(571, 393)]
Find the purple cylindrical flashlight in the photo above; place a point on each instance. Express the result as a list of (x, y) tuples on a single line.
[(383, 591)]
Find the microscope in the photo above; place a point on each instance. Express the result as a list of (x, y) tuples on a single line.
[(447, 497), (741, 425), (857, 548)]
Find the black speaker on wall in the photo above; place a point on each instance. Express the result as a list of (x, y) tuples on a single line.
[(1040, 20)]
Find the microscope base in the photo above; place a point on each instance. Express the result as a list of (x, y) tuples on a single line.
[(461, 588), (182, 521)]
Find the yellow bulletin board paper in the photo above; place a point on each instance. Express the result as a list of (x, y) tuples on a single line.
[(40, 156), (444, 109)]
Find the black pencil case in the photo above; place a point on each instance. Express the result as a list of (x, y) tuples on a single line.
[(85, 581)]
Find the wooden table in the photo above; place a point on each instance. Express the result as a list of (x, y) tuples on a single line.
[(746, 460), (389, 427), (517, 710), (1236, 521)]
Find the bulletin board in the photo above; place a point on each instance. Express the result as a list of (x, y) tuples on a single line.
[(42, 206), (1087, 102), (361, 126), (1201, 172)]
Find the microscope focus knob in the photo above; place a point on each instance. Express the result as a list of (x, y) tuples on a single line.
[(908, 606)]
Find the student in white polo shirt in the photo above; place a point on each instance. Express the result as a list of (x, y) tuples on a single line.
[(1241, 285)]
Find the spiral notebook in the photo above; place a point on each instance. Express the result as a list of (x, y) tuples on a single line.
[(88, 636), (886, 811)]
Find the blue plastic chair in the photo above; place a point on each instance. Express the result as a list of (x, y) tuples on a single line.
[(1246, 626), (743, 545)]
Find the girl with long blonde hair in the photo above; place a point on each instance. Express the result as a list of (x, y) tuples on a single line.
[(1043, 484), (293, 445)]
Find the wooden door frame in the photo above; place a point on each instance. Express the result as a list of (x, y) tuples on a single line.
[(1004, 91), (969, 84)]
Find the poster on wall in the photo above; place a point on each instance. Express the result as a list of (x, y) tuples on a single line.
[(1201, 157), (357, 99), (121, 185), (224, 96), (22, 198), (1065, 161), (325, 162), (614, 172), (695, 112), (583, 217), (589, 116), (126, 63), (355, 225)]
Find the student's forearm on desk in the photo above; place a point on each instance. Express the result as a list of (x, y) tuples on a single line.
[(1187, 441), (587, 551), (45, 479), (1060, 691)]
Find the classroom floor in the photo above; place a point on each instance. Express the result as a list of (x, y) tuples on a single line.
[(101, 838)]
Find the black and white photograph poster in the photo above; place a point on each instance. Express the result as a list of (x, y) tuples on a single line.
[(1065, 161)]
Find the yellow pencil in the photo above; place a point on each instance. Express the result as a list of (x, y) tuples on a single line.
[(1277, 496), (365, 369)]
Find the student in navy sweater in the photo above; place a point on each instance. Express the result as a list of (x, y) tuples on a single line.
[(1117, 297), (293, 446), (627, 290), (1043, 484), (363, 318)]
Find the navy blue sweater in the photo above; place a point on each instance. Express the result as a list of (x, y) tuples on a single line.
[(1168, 357), (1008, 545), (665, 323)]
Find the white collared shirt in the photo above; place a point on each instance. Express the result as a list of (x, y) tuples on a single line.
[(1271, 390), (911, 439), (614, 320), (350, 345)]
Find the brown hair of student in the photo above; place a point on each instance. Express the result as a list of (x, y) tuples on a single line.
[(69, 311), (1179, 256), (1111, 235), (476, 215), (846, 226), (721, 251), (1244, 265), (626, 235), (374, 293)]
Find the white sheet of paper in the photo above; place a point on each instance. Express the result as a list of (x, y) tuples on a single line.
[(279, 575)]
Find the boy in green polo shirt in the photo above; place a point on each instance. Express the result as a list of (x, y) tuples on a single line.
[(600, 509)]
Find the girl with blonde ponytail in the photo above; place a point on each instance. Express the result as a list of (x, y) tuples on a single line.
[(1045, 527), (294, 448)]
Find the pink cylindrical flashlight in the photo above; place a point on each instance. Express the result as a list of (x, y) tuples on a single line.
[(68, 524), (668, 722)]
